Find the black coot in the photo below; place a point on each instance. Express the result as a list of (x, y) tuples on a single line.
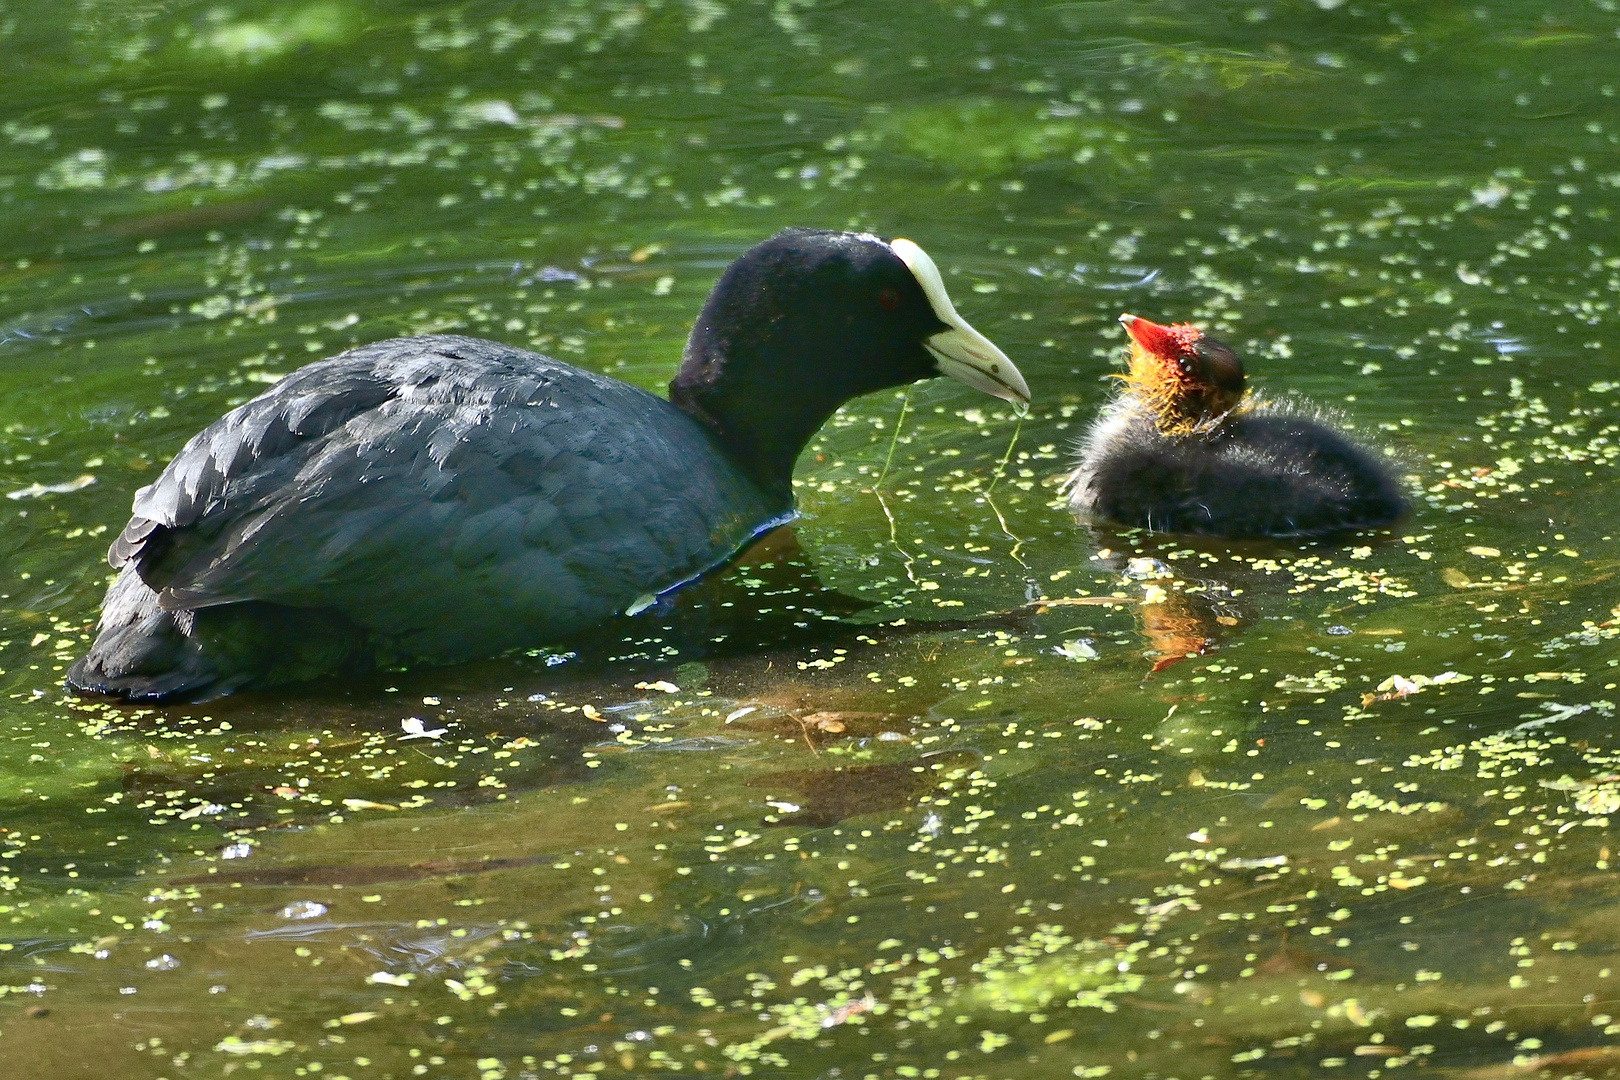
[(1184, 448), (440, 498)]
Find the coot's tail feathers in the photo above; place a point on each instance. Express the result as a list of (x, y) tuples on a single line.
[(144, 653)]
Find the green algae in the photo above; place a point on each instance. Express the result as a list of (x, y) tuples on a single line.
[(992, 136), (1142, 807)]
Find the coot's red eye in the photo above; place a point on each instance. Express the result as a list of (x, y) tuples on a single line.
[(889, 299)]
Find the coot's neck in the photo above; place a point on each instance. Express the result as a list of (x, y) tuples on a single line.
[(796, 327), (762, 394)]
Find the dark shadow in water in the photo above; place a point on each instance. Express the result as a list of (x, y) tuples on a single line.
[(350, 875), (752, 624), (767, 600)]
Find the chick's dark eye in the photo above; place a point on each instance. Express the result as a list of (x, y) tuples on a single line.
[(889, 299)]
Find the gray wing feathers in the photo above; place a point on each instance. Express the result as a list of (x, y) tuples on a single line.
[(460, 499), (251, 450)]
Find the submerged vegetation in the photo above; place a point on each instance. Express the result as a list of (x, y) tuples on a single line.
[(951, 787)]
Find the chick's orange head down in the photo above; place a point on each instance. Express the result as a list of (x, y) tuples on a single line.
[(1183, 376)]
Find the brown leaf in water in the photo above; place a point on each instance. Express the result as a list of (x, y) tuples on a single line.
[(1591, 1061), (831, 795), (1287, 798), (1288, 960), (191, 218), (826, 721), (1393, 688), (821, 726)]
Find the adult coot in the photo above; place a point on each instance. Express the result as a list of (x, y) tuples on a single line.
[(1184, 448), (439, 498)]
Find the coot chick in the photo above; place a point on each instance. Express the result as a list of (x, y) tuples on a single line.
[(440, 498), (1185, 448)]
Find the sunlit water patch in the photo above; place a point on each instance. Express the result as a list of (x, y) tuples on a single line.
[(963, 788)]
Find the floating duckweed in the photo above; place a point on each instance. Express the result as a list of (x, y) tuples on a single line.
[(1211, 808)]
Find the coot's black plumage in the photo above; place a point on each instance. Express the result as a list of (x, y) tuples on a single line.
[(440, 498), (1184, 448)]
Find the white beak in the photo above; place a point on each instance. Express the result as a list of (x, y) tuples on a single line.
[(961, 351)]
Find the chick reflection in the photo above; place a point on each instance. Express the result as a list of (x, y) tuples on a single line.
[(1181, 615)]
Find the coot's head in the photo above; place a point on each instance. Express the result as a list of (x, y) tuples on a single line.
[(1183, 376), (809, 319)]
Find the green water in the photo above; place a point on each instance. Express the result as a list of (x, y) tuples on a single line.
[(1366, 829)]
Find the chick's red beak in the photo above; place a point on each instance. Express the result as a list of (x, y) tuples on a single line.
[(1164, 342)]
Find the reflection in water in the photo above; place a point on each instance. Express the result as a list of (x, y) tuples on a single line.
[(770, 598), (1180, 616)]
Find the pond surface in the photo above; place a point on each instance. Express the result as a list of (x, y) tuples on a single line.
[(943, 802)]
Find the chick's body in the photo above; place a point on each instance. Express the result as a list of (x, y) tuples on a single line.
[(1184, 448)]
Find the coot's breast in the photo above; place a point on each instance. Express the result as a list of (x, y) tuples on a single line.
[(452, 495)]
